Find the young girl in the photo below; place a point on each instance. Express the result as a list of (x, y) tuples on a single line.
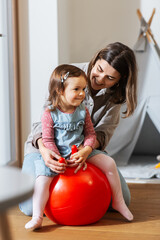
[(66, 122)]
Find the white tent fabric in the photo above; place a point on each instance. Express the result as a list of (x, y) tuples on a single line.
[(126, 135)]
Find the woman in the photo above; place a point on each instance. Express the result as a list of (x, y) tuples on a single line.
[(112, 80)]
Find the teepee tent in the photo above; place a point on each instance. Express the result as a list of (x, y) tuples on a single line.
[(123, 142)]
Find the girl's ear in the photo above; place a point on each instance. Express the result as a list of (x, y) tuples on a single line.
[(59, 92)]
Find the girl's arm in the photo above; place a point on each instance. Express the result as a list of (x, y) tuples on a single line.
[(48, 132), (48, 146), (89, 133)]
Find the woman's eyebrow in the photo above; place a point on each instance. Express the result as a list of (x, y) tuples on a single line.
[(106, 75), (100, 67)]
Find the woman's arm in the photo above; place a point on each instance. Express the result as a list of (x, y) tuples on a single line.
[(106, 126), (36, 133), (97, 144), (50, 158)]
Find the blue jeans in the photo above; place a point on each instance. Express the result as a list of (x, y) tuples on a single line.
[(30, 167)]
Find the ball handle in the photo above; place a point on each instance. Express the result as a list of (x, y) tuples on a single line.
[(74, 149), (61, 160)]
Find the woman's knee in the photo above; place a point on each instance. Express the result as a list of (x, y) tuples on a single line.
[(28, 167), (29, 163), (125, 190), (26, 207)]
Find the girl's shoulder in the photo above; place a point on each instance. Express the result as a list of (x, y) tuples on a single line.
[(46, 117), (81, 110), (81, 107), (46, 111)]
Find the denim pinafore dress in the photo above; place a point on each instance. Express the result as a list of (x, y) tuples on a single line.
[(68, 129)]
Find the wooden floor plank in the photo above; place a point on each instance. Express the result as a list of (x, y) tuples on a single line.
[(145, 206)]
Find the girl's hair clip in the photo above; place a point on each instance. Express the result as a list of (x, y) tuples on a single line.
[(65, 77)]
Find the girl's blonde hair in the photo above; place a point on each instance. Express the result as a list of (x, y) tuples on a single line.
[(58, 82), (122, 58)]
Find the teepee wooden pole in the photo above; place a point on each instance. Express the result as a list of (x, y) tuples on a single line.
[(140, 17), (150, 20), (149, 34), (139, 14)]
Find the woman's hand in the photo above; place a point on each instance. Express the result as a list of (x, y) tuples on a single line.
[(51, 158), (97, 144)]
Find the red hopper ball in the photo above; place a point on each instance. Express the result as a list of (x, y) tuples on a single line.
[(78, 199)]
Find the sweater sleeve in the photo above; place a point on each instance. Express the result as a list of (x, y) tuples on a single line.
[(48, 132), (36, 133), (89, 133), (107, 124)]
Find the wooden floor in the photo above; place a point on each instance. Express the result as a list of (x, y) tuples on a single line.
[(145, 206)]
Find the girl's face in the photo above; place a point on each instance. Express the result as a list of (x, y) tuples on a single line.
[(103, 75), (74, 92)]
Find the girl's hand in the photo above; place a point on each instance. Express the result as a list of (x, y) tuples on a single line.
[(78, 165), (79, 158), (80, 147), (51, 159), (81, 155)]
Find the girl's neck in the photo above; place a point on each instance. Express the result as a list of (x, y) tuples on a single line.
[(66, 109)]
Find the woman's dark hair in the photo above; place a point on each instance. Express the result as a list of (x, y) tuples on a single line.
[(58, 82), (121, 58)]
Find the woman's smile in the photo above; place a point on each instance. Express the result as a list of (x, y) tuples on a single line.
[(97, 82)]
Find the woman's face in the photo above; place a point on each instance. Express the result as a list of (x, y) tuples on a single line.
[(103, 75)]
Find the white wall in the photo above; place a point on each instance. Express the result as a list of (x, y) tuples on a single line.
[(83, 27), (43, 51), (38, 52), (86, 26)]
